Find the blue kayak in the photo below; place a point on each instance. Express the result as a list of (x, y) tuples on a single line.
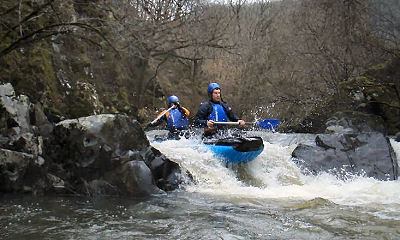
[(236, 150)]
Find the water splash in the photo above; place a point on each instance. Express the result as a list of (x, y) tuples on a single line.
[(273, 175)]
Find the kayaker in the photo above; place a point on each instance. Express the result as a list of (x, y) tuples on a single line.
[(214, 110), (175, 118)]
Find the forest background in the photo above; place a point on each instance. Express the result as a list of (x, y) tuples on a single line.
[(296, 60)]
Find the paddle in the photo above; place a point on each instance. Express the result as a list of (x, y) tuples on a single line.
[(232, 123), (268, 123), (161, 115), (210, 131)]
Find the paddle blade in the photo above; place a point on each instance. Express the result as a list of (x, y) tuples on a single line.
[(269, 124)]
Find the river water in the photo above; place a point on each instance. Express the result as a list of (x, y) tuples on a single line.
[(267, 199)]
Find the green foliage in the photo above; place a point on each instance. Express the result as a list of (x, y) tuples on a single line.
[(31, 72)]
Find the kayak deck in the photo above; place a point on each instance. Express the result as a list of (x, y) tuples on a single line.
[(236, 150)]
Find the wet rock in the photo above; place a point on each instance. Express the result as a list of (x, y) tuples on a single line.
[(101, 154), (21, 172), (39, 119), (167, 173), (56, 182), (15, 129), (349, 153), (137, 176), (397, 137), (16, 111), (357, 145), (109, 154)]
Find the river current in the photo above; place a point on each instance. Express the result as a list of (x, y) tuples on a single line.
[(269, 198)]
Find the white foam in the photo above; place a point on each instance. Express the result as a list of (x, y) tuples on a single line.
[(273, 176)]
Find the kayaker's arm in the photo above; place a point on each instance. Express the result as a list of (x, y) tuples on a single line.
[(184, 110), (160, 119)]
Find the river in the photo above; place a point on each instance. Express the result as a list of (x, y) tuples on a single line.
[(267, 199)]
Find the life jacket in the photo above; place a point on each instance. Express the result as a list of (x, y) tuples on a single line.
[(218, 113), (176, 120)]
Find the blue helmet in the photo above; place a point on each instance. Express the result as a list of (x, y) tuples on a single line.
[(212, 87), (172, 99)]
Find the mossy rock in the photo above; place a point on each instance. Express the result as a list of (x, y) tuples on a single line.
[(376, 92)]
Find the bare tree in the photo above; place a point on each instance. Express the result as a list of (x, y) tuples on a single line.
[(26, 22)]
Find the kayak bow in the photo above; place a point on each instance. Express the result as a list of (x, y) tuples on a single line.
[(236, 150)]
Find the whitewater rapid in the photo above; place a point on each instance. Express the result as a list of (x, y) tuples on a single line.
[(270, 198), (273, 175)]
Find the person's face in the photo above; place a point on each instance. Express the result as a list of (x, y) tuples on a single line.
[(173, 104), (216, 95)]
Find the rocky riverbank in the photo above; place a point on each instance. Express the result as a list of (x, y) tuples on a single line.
[(106, 154), (109, 154)]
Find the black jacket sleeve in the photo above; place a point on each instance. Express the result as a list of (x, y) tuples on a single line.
[(202, 114)]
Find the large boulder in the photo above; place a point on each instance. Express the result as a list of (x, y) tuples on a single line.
[(357, 145), (342, 154), (109, 154), (101, 154)]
